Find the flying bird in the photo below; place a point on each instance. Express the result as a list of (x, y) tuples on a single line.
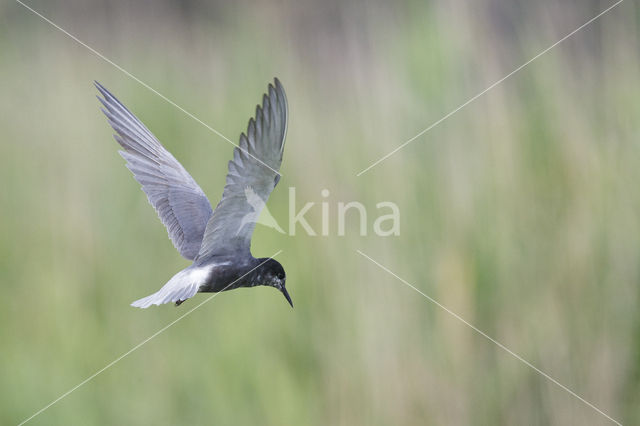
[(217, 241)]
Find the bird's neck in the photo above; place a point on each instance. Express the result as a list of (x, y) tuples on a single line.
[(254, 275), (262, 272)]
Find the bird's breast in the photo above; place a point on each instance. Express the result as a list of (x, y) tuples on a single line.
[(225, 276)]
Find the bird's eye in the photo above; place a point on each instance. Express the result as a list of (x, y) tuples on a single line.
[(280, 275)]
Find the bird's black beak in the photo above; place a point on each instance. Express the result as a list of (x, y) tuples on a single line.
[(286, 296)]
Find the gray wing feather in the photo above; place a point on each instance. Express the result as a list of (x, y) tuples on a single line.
[(179, 201), (225, 233)]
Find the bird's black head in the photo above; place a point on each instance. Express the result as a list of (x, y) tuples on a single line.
[(272, 274)]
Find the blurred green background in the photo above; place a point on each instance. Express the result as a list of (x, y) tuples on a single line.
[(520, 213)]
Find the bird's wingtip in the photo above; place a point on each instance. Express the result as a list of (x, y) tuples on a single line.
[(103, 90)]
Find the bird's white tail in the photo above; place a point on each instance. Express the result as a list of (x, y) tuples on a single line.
[(182, 286)]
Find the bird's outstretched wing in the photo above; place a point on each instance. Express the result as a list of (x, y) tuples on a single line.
[(256, 162), (179, 201), (253, 199)]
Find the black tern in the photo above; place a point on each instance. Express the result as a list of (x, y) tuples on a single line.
[(217, 241)]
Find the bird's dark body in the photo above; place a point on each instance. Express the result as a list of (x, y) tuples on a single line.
[(228, 274), (242, 271)]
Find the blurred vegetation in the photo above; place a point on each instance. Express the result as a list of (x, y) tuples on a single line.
[(520, 213)]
